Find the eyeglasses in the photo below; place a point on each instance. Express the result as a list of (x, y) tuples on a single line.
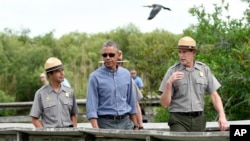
[(108, 54)]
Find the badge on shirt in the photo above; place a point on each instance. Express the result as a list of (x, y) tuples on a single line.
[(48, 99), (201, 74), (67, 94)]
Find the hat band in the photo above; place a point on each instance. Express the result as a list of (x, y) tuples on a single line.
[(53, 68), (188, 47)]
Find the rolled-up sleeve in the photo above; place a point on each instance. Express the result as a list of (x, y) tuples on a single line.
[(92, 98)]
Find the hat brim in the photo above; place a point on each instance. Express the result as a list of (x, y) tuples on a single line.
[(123, 61), (186, 47), (100, 62), (54, 68)]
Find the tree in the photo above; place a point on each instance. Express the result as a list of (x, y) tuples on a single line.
[(223, 44)]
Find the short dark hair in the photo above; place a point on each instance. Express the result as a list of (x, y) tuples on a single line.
[(111, 43)]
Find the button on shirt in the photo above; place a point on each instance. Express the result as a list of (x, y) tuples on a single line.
[(188, 93), (110, 93), (53, 108)]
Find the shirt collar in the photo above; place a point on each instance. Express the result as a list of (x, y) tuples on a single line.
[(103, 67), (50, 89), (196, 66)]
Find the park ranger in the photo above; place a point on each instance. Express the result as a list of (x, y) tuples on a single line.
[(54, 104), (182, 91)]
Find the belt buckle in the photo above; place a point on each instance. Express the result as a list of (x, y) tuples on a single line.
[(195, 114), (120, 117), (117, 117), (190, 114)]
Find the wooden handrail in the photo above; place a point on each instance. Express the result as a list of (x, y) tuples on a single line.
[(80, 102)]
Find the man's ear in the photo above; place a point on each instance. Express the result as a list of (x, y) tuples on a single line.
[(194, 51)]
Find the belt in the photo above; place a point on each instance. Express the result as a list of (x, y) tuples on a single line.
[(190, 114), (69, 126), (119, 117)]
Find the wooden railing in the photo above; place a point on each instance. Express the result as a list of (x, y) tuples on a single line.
[(91, 134), (85, 132), (25, 106), (80, 102)]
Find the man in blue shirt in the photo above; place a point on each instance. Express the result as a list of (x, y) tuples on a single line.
[(137, 79), (111, 103), (66, 82)]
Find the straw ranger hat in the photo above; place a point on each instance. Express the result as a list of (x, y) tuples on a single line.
[(120, 60), (187, 43), (52, 64)]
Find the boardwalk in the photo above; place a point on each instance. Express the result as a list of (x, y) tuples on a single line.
[(84, 132), (148, 103), (10, 131)]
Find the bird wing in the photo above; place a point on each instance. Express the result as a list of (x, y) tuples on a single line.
[(147, 5), (154, 12), (166, 8)]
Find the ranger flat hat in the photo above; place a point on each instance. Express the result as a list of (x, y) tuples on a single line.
[(187, 43), (52, 64), (120, 60)]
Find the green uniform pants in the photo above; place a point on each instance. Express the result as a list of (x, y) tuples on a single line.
[(184, 123)]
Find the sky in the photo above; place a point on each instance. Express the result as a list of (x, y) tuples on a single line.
[(94, 16)]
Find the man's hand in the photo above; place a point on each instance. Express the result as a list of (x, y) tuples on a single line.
[(176, 76), (223, 123)]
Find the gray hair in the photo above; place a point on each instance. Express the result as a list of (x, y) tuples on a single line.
[(111, 43)]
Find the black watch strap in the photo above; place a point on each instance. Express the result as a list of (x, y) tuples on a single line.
[(140, 127), (136, 126)]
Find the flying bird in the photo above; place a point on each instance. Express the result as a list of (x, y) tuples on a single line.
[(156, 9)]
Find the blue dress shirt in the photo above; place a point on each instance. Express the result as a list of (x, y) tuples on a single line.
[(110, 93)]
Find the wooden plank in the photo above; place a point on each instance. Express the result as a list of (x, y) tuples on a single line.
[(24, 131), (104, 134), (80, 102)]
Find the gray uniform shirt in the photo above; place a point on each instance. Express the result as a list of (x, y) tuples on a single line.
[(54, 109), (188, 93)]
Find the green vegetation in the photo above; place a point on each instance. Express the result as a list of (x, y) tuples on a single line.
[(6, 98), (223, 44)]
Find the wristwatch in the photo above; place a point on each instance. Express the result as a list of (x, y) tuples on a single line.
[(136, 126), (141, 127)]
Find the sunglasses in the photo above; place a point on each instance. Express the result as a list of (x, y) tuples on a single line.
[(108, 54)]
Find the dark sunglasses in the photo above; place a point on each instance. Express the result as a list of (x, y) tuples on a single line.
[(108, 54)]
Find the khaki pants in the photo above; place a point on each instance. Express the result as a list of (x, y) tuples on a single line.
[(183, 123)]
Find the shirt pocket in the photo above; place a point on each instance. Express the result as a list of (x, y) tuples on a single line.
[(50, 109), (201, 85), (180, 88), (68, 103)]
